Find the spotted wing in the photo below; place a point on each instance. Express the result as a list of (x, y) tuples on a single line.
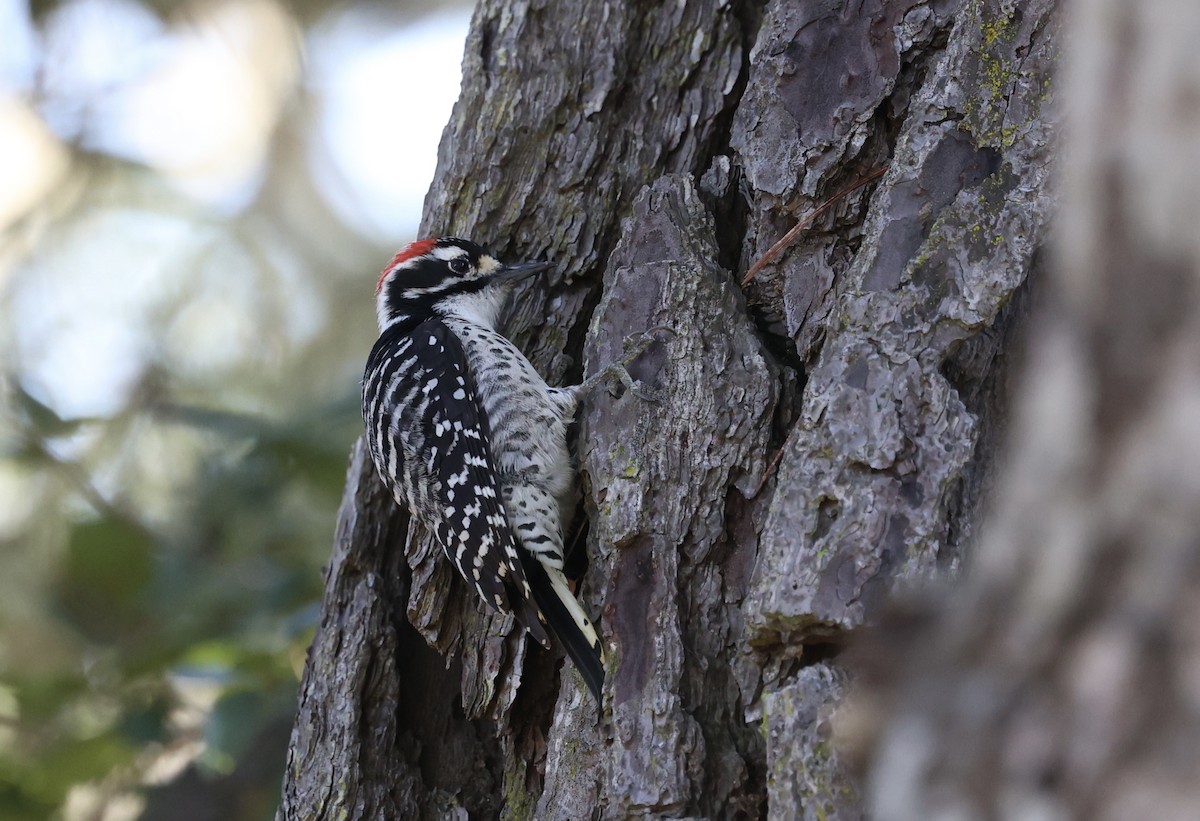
[(469, 521)]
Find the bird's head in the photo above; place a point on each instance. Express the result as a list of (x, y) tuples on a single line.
[(446, 276)]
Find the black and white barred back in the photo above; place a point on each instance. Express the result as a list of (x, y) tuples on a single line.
[(466, 434)]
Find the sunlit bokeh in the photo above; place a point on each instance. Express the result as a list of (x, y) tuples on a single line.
[(196, 199)]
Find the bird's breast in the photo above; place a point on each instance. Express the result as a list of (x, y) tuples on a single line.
[(527, 437)]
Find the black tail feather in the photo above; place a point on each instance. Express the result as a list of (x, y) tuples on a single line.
[(585, 656)]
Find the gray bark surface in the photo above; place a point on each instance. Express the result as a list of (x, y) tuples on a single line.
[(1060, 680), (821, 436)]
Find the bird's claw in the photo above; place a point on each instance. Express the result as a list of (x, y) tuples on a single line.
[(635, 345), (635, 386), (632, 347)]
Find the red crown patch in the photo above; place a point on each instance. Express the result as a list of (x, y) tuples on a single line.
[(413, 249)]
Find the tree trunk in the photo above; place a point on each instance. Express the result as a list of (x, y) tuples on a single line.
[(1062, 679), (824, 434)]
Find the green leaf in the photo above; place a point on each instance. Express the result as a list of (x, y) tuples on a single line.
[(235, 721), (108, 565)]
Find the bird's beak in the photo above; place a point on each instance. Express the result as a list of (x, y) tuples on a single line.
[(520, 271)]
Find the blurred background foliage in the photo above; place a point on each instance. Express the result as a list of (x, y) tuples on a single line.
[(193, 200)]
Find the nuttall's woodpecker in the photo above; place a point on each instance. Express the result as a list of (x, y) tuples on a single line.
[(467, 435)]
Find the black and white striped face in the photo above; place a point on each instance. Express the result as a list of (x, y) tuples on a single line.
[(446, 276), (429, 270)]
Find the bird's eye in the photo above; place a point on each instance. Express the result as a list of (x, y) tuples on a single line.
[(459, 265)]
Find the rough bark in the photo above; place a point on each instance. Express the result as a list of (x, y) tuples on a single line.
[(1060, 680), (821, 437)]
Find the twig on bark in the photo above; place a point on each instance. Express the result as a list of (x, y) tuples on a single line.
[(790, 237)]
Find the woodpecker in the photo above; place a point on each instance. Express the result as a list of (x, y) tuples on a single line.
[(466, 435)]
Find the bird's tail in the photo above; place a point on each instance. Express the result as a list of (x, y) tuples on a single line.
[(566, 620)]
